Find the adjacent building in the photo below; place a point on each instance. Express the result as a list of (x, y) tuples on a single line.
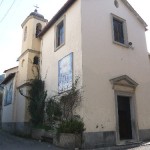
[(103, 43)]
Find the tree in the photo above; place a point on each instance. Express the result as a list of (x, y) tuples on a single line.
[(69, 100), (36, 96)]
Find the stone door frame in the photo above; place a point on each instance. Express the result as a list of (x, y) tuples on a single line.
[(125, 86), (135, 137)]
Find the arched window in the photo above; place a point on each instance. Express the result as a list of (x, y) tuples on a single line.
[(38, 29), (25, 33), (36, 60), (22, 63)]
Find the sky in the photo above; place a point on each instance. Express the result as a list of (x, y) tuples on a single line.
[(13, 13)]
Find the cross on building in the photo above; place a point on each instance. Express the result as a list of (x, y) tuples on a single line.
[(36, 7)]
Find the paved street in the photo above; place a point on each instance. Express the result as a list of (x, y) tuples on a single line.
[(10, 142), (143, 146)]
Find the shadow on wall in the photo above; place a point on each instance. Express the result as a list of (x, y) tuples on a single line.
[(1, 96)]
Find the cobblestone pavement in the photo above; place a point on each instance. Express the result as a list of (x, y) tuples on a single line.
[(143, 146), (10, 142)]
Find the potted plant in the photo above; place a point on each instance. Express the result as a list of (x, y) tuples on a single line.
[(69, 133), (53, 117), (70, 128)]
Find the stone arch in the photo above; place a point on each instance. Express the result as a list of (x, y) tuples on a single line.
[(36, 60), (25, 33), (38, 29), (22, 63)]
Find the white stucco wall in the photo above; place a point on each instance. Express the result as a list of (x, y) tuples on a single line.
[(104, 60), (49, 64)]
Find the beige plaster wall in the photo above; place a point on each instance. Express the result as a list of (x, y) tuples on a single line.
[(22, 70), (31, 47), (31, 41), (24, 74), (104, 60), (20, 112)]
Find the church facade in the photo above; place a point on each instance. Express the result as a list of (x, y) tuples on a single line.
[(103, 43)]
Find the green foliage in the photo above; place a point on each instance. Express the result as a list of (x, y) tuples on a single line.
[(37, 96), (60, 109), (42, 126), (71, 126), (53, 110), (69, 100)]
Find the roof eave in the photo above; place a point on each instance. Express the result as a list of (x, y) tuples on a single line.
[(135, 13), (66, 6), (10, 69), (8, 78)]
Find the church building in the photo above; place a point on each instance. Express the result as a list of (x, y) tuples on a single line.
[(102, 42)]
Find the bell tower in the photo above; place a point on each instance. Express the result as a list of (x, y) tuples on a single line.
[(28, 61), (31, 43)]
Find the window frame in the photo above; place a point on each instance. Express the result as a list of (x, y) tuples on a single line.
[(62, 20), (25, 34), (125, 35)]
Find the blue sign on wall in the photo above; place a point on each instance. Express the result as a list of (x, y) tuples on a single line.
[(65, 73)]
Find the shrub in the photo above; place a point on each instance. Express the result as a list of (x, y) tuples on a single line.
[(36, 96), (53, 110), (37, 101), (71, 126)]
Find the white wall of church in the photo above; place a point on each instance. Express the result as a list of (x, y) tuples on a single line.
[(104, 60), (50, 57)]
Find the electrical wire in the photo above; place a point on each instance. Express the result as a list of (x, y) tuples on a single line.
[(7, 11), (1, 2)]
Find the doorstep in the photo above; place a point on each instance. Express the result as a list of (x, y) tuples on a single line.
[(120, 147)]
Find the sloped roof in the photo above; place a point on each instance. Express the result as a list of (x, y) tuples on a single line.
[(69, 3), (66, 6), (10, 69), (8, 78), (127, 4)]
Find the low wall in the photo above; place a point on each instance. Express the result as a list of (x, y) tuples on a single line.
[(23, 128), (99, 139)]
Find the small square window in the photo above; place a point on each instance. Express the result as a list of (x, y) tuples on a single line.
[(60, 35), (119, 31)]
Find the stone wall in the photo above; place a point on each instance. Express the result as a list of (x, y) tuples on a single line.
[(21, 128), (0, 116)]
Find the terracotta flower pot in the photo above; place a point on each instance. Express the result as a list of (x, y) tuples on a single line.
[(68, 140)]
